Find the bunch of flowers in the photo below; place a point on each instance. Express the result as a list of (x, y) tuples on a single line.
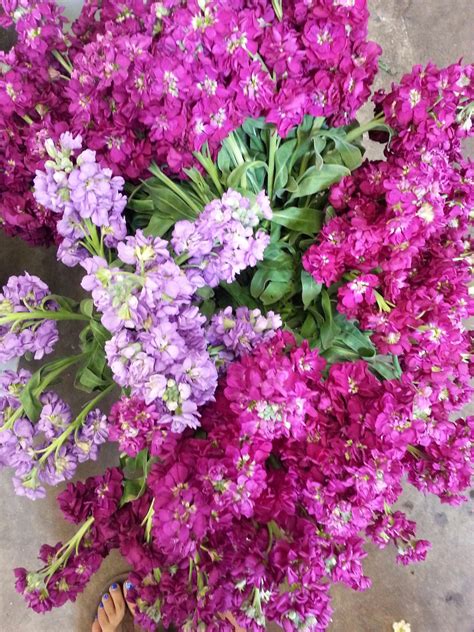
[(284, 329), (400, 243), (22, 300), (214, 65), (291, 473), (85, 198), (48, 451), (158, 345)]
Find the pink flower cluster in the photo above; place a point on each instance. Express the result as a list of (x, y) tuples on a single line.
[(271, 503), (142, 81), (401, 243)]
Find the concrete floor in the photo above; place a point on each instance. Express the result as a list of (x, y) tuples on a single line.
[(437, 596)]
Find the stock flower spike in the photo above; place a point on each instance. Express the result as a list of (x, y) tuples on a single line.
[(280, 323)]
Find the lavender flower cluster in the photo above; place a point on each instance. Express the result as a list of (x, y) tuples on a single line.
[(22, 295), (49, 451), (221, 242), (85, 195), (148, 300), (159, 349), (233, 335)]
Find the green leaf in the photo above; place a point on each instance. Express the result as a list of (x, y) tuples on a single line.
[(309, 327), (265, 275), (199, 185), (29, 399), (352, 337), (274, 292), (328, 329), (330, 212), (208, 308), (132, 489), (336, 353), (136, 471), (235, 177), (240, 295), (291, 185), (351, 154), (282, 164), (279, 252), (87, 307), (315, 181), (141, 205), (319, 143), (310, 289), (87, 380), (300, 219), (169, 204), (100, 333), (253, 126), (159, 226), (224, 160), (386, 367)]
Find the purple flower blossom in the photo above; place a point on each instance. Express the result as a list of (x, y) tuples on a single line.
[(22, 294), (221, 242), (81, 191)]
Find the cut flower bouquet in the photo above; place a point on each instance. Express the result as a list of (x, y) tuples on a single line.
[(279, 319)]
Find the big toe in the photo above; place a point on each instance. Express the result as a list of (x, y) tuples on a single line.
[(96, 627), (127, 588)]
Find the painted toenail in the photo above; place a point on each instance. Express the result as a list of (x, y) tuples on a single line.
[(101, 605), (106, 596), (128, 585), (114, 586)]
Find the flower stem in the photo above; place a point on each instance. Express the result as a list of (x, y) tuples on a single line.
[(278, 8), (41, 315), (365, 127), (54, 369), (55, 446), (148, 521), (62, 60), (271, 161), (210, 168), (71, 546), (159, 175), (94, 240)]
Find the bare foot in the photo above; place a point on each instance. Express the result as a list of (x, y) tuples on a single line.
[(112, 608)]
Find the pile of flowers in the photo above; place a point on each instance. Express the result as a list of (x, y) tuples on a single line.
[(281, 324), (142, 81)]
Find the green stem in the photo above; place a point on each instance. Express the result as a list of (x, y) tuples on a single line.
[(54, 369), (156, 171), (233, 146), (41, 315), (94, 239), (210, 168), (271, 162), (278, 8), (64, 553), (182, 258), (365, 127), (148, 521), (304, 164), (64, 63), (27, 119), (77, 423)]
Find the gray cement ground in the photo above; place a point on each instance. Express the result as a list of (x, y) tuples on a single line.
[(437, 596)]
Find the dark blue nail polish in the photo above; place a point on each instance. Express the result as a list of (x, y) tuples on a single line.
[(114, 586), (128, 585), (101, 605), (106, 596)]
